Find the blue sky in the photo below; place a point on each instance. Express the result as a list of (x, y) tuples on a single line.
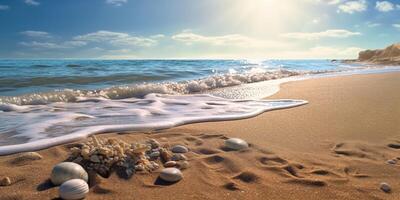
[(196, 28)]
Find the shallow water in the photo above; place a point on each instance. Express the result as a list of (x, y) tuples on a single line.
[(49, 102)]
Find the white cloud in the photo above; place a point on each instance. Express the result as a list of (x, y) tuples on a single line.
[(116, 2), (190, 38), (396, 26), (36, 34), (353, 6), (32, 2), (334, 2), (51, 45), (335, 33), (4, 7), (117, 39), (384, 6), (323, 52), (158, 36), (372, 25)]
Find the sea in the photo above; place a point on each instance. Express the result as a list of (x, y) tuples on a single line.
[(50, 102)]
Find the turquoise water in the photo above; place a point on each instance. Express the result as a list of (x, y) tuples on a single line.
[(135, 78)]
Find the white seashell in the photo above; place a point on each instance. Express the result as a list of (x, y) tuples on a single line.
[(179, 149), (67, 170), (236, 144), (171, 174), (73, 189)]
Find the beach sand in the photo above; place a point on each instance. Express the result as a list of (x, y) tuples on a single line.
[(335, 147)]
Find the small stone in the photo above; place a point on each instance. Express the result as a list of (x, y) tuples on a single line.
[(155, 154), (178, 157), (154, 143), (78, 160), (154, 165), (171, 174), (236, 144), (179, 149), (392, 162), (95, 159), (26, 157), (139, 167), (385, 187), (165, 155), (170, 164), (6, 181), (184, 165)]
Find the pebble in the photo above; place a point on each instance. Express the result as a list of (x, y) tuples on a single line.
[(95, 159), (179, 149), (154, 143), (139, 167), (27, 156), (170, 164), (5, 181), (155, 154), (178, 157), (385, 187), (392, 162), (184, 165), (171, 174), (236, 144)]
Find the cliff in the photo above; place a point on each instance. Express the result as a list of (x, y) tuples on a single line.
[(388, 56)]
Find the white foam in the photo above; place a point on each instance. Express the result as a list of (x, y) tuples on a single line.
[(43, 126), (140, 90)]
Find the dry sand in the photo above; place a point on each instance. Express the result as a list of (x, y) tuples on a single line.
[(336, 147)]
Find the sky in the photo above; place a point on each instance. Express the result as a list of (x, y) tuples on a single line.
[(203, 29)]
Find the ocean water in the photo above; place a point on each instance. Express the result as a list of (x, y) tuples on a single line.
[(49, 102)]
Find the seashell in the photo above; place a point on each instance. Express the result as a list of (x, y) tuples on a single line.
[(66, 171), (171, 174), (179, 149), (236, 144), (96, 142), (73, 189), (6, 181), (85, 153), (139, 148)]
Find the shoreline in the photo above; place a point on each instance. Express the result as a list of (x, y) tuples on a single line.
[(334, 147)]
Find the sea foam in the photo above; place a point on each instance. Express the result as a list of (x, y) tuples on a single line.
[(34, 127)]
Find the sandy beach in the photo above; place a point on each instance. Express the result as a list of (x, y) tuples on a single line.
[(335, 147)]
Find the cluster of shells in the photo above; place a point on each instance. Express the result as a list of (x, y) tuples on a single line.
[(103, 156)]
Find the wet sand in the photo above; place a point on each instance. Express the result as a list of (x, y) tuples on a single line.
[(335, 147)]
